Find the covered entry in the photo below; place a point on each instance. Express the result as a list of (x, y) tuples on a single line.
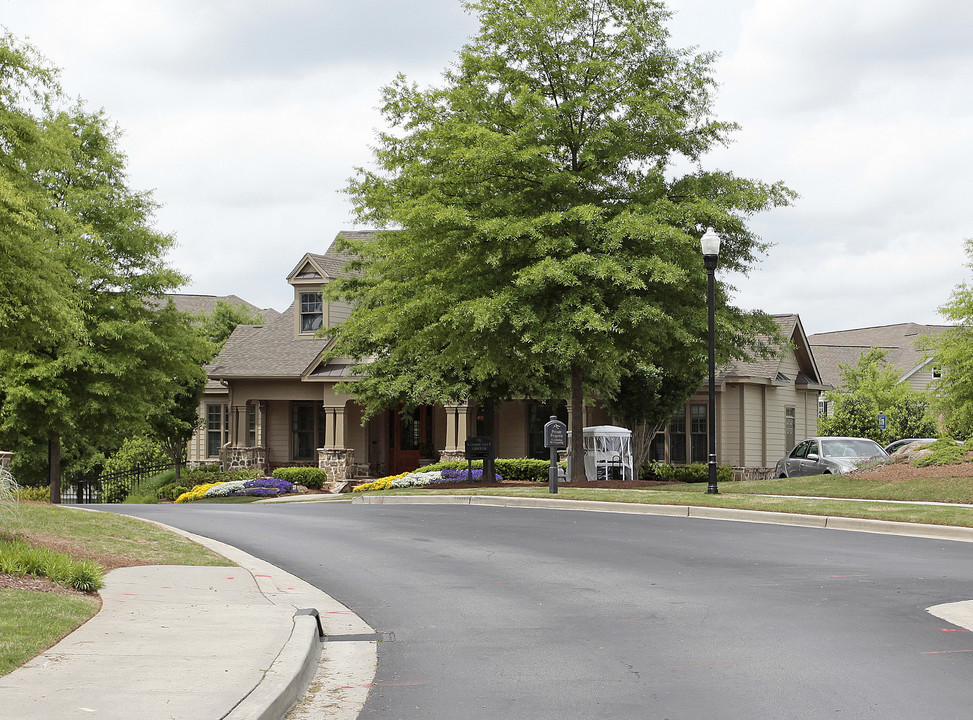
[(409, 432)]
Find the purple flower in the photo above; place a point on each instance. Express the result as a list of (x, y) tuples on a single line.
[(280, 486), (460, 476)]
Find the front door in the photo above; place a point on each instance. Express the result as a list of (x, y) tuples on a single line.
[(405, 435)]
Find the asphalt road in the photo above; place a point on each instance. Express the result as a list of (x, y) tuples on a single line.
[(509, 613)]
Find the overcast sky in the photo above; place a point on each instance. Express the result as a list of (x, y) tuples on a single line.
[(246, 117)]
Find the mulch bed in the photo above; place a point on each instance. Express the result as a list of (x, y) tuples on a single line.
[(39, 584)]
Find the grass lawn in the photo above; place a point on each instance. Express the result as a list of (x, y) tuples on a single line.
[(32, 620), (753, 495)]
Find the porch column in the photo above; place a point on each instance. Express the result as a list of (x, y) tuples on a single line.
[(334, 457), (584, 414), (457, 430)]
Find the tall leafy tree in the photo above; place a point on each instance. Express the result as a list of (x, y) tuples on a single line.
[(37, 299), (546, 203), (96, 369), (952, 351)]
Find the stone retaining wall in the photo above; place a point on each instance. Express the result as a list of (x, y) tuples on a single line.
[(751, 473)]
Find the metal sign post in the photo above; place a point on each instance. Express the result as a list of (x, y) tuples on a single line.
[(555, 438)]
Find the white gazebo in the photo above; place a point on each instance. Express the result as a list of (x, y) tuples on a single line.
[(607, 453)]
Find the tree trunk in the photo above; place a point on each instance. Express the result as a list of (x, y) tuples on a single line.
[(577, 426), (642, 437), (54, 469)]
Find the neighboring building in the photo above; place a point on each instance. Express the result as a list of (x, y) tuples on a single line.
[(206, 304), (280, 404), (215, 393), (763, 409), (832, 350)]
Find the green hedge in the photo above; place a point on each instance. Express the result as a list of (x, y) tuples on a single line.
[(211, 474), (309, 477), (693, 473), (519, 469)]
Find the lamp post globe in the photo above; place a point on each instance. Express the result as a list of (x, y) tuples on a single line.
[(710, 244)]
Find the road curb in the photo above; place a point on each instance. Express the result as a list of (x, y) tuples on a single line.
[(828, 522), (288, 677), (301, 659)]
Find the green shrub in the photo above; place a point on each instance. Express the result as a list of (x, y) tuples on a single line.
[(309, 477), (170, 491), (693, 473), (945, 451), (519, 469), (136, 451), (452, 465), (116, 492), (19, 558), (231, 475), (524, 469), (35, 494)]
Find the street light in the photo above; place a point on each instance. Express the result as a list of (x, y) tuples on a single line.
[(710, 243)]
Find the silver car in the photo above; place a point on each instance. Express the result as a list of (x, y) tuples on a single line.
[(828, 456)]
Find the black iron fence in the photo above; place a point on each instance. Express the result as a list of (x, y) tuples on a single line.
[(108, 487)]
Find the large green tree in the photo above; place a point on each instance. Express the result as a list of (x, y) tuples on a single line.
[(545, 206), (952, 351), (91, 372), (37, 298)]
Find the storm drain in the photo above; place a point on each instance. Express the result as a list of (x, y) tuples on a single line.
[(363, 637)]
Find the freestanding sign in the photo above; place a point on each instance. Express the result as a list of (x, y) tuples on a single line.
[(555, 438), (882, 421), (480, 448)]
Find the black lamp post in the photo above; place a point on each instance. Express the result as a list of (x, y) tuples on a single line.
[(711, 250)]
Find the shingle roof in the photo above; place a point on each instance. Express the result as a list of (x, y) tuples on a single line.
[(769, 368), (196, 304), (333, 261), (845, 347), (269, 351)]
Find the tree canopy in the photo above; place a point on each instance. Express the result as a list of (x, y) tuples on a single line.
[(869, 388), (84, 358), (544, 207), (952, 352)]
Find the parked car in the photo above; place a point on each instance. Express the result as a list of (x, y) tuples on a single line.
[(892, 447), (828, 456), (899, 444)]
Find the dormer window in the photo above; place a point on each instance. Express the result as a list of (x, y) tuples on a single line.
[(311, 319)]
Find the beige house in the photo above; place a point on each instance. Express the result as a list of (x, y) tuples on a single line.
[(274, 402), (845, 347), (763, 409)]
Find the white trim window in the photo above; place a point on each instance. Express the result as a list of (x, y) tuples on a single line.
[(217, 424), (312, 317)]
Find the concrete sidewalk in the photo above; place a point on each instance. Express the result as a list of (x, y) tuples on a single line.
[(200, 643)]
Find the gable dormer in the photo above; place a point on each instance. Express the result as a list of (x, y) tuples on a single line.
[(310, 310)]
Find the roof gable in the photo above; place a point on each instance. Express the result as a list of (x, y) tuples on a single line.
[(769, 371)]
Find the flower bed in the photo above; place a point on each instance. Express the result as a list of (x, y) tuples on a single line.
[(424, 478), (258, 487)]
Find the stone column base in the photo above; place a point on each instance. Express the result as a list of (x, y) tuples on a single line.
[(452, 456), (243, 458), (338, 463)]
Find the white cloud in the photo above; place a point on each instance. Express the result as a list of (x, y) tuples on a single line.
[(248, 116)]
